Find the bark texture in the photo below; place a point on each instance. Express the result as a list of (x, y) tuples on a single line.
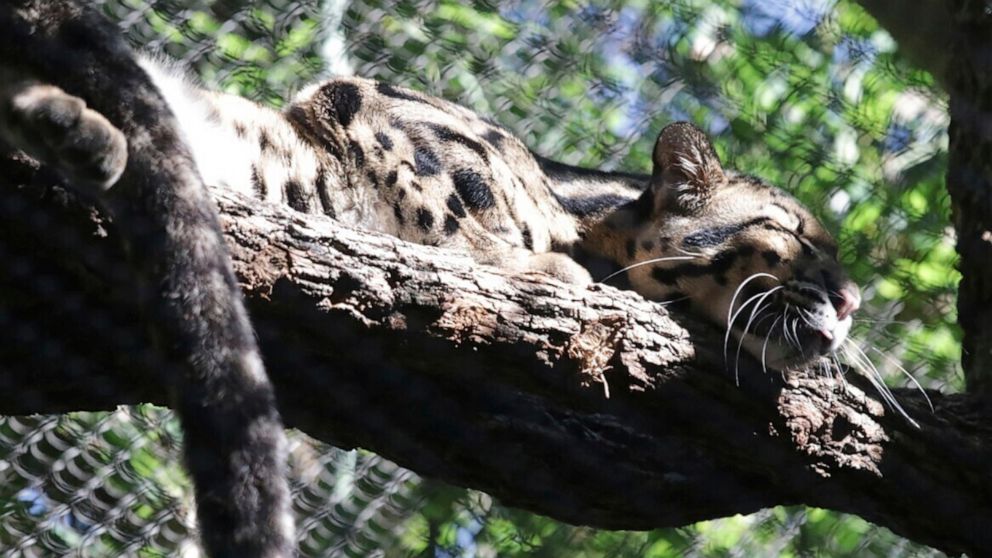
[(589, 405), (969, 182)]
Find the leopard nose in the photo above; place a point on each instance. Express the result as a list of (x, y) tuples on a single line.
[(847, 301)]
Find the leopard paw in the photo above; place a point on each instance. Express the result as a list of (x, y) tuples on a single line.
[(59, 130), (559, 266)]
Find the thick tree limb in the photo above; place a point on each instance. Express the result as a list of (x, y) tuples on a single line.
[(969, 183), (464, 374)]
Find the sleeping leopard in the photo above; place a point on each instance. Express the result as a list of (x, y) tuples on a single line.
[(733, 249), (389, 159)]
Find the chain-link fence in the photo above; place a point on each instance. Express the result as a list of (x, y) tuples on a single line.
[(810, 95)]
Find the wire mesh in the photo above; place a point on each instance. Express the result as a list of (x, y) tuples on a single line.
[(810, 95)]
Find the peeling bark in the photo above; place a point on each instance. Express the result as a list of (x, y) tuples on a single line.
[(593, 406)]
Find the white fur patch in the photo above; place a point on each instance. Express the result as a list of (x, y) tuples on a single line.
[(214, 145)]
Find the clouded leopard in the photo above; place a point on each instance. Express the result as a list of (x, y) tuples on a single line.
[(426, 170), (740, 252)]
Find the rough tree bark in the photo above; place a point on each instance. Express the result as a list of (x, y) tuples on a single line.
[(462, 373)]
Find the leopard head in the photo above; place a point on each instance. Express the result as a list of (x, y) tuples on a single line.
[(744, 254)]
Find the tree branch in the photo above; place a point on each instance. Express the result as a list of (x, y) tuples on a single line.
[(969, 183), (500, 383)]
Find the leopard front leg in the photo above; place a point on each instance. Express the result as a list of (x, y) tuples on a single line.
[(560, 266), (59, 130), (519, 260)]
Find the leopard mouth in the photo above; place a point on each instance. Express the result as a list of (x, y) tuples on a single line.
[(782, 328)]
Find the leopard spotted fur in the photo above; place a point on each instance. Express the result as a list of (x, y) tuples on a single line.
[(430, 171)]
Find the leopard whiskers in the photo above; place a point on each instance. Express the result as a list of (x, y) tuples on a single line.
[(731, 320), (740, 342), (764, 346), (795, 333), (785, 328), (840, 370), (756, 311), (870, 371), (649, 262), (731, 316), (895, 363)]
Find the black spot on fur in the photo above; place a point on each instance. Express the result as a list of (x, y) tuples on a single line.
[(345, 99), (372, 178), (391, 179), (401, 194), (676, 299), (398, 212), (257, 184), (299, 118), (425, 219), (313, 129), (384, 141), (357, 154), (450, 225), (528, 238), (724, 261), (264, 143), (665, 275), (717, 267), (395, 93), (445, 133), (771, 257), (472, 189), (647, 245), (455, 205), (240, 130), (322, 194), (583, 207), (631, 248), (715, 236), (495, 138), (416, 186), (295, 196), (426, 162)]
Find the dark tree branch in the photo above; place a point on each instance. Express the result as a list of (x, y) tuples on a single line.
[(969, 183), (462, 373)]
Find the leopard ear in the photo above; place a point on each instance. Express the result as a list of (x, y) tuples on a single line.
[(686, 169)]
